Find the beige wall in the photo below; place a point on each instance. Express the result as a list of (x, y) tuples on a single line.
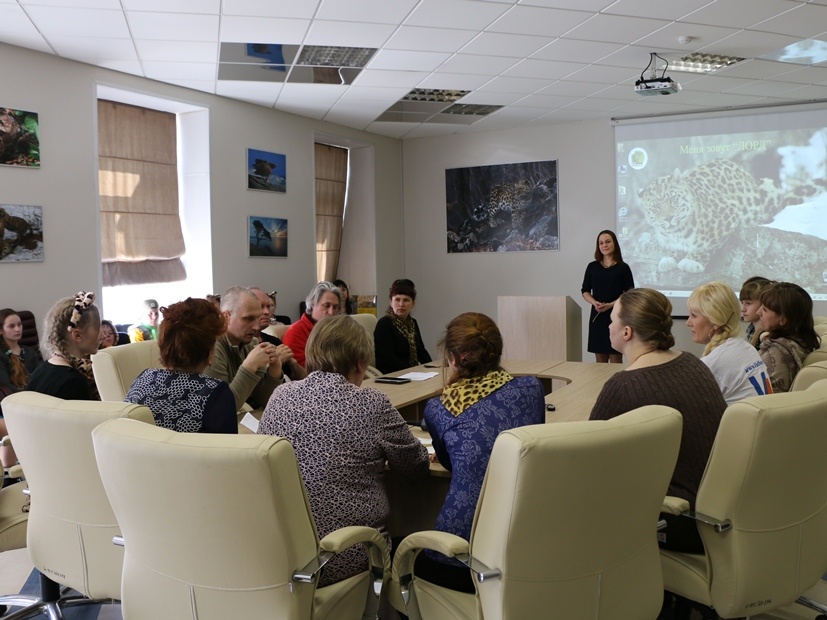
[(63, 93)]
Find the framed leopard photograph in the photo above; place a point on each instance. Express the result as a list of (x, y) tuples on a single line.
[(502, 208), (21, 233)]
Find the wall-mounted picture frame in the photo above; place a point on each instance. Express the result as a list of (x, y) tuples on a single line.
[(502, 208), (21, 234), (19, 138), (266, 171), (267, 237)]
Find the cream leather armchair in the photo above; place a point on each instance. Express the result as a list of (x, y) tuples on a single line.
[(761, 508), (71, 524), (809, 375), (198, 544), (565, 525), (115, 368)]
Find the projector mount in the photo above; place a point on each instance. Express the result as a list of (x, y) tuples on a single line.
[(655, 85)]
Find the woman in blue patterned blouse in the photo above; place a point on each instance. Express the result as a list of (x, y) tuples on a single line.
[(180, 396), (479, 401)]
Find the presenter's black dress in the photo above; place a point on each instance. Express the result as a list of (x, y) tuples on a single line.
[(605, 284)]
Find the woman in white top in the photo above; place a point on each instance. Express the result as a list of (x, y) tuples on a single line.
[(714, 320)]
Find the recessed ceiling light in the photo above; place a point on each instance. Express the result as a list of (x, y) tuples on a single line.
[(471, 109), (439, 95), (703, 63), (334, 56)]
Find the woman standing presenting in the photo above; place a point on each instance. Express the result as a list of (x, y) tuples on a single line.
[(607, 277)]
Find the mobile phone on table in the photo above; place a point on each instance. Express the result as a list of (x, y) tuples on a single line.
[(391, 380)]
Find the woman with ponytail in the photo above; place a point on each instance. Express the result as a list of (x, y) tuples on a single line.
[(72, 334), (641, 329), (714, 320), (479, 401)]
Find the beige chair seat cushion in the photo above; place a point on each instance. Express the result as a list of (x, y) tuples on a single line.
[(438, 602), (693, 575), (14, 516)]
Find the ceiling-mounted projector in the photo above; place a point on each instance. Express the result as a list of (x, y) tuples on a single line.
[(662, 86)]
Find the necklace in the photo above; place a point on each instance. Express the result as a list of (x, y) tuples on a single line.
[(605, 266)]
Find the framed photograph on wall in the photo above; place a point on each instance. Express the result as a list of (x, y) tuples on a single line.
[(19, 138), (502, 208), (266, 171), (267, 236), (21, 233)]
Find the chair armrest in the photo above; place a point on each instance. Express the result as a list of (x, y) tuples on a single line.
[(342, 539), (674, 505), (6, 441)]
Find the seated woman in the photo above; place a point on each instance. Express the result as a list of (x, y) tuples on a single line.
[(714, 321), (786, 316), (641, 329), (348, 302), (479, 401), (71, 333), (180, 396), (396, 337), (17, 362), (343, 434), (324, 300)]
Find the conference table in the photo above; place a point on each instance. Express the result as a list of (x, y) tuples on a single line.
[(572, 387)]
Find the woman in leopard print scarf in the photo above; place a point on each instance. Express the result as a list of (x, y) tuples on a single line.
[(397, 341), (479, 401)]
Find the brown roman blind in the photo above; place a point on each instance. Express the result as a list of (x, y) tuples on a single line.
[(331, 187), (141, 236)]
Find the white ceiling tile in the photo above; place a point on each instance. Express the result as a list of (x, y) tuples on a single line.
[(376, 11), (78, 22), (464, 14), (182, 51), (407, 61), (508, 45), (75, 4), (750, 44), (207, 7), (477, 65), (654, 10), (731, 15), (453, 81), (576, 50), (90, 49), (602, 74), (703, 37), (527, 20), (375, 93), (263, 30), (354, 35), (549, 102), (582, 5), (429, 39), (205, 86), (261, 93), (124, 66), (616, 28), (180, 70), (303, 9), (173, 26), (572, 89), (514, 85), (487, 98), (804, 22), (381, 77), (543, 69)]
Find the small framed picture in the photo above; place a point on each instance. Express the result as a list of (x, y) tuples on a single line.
[(19, 138), (267, 236), (21, 233), (266, 171)]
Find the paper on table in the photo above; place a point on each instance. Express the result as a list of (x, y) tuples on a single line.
[(418, 376), (250, 422)]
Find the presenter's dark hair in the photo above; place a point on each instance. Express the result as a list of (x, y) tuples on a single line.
[(617, 255), (188, 333), (649, 313), (795, 306), (473, 341)]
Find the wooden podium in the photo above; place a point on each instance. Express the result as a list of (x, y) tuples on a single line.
[(540, 328)]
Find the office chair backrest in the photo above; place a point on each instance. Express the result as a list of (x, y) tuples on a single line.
[(212, 523), (809, 375), (30, 337), (569, 511), (71, 523), (767, 474), (115, 368)]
